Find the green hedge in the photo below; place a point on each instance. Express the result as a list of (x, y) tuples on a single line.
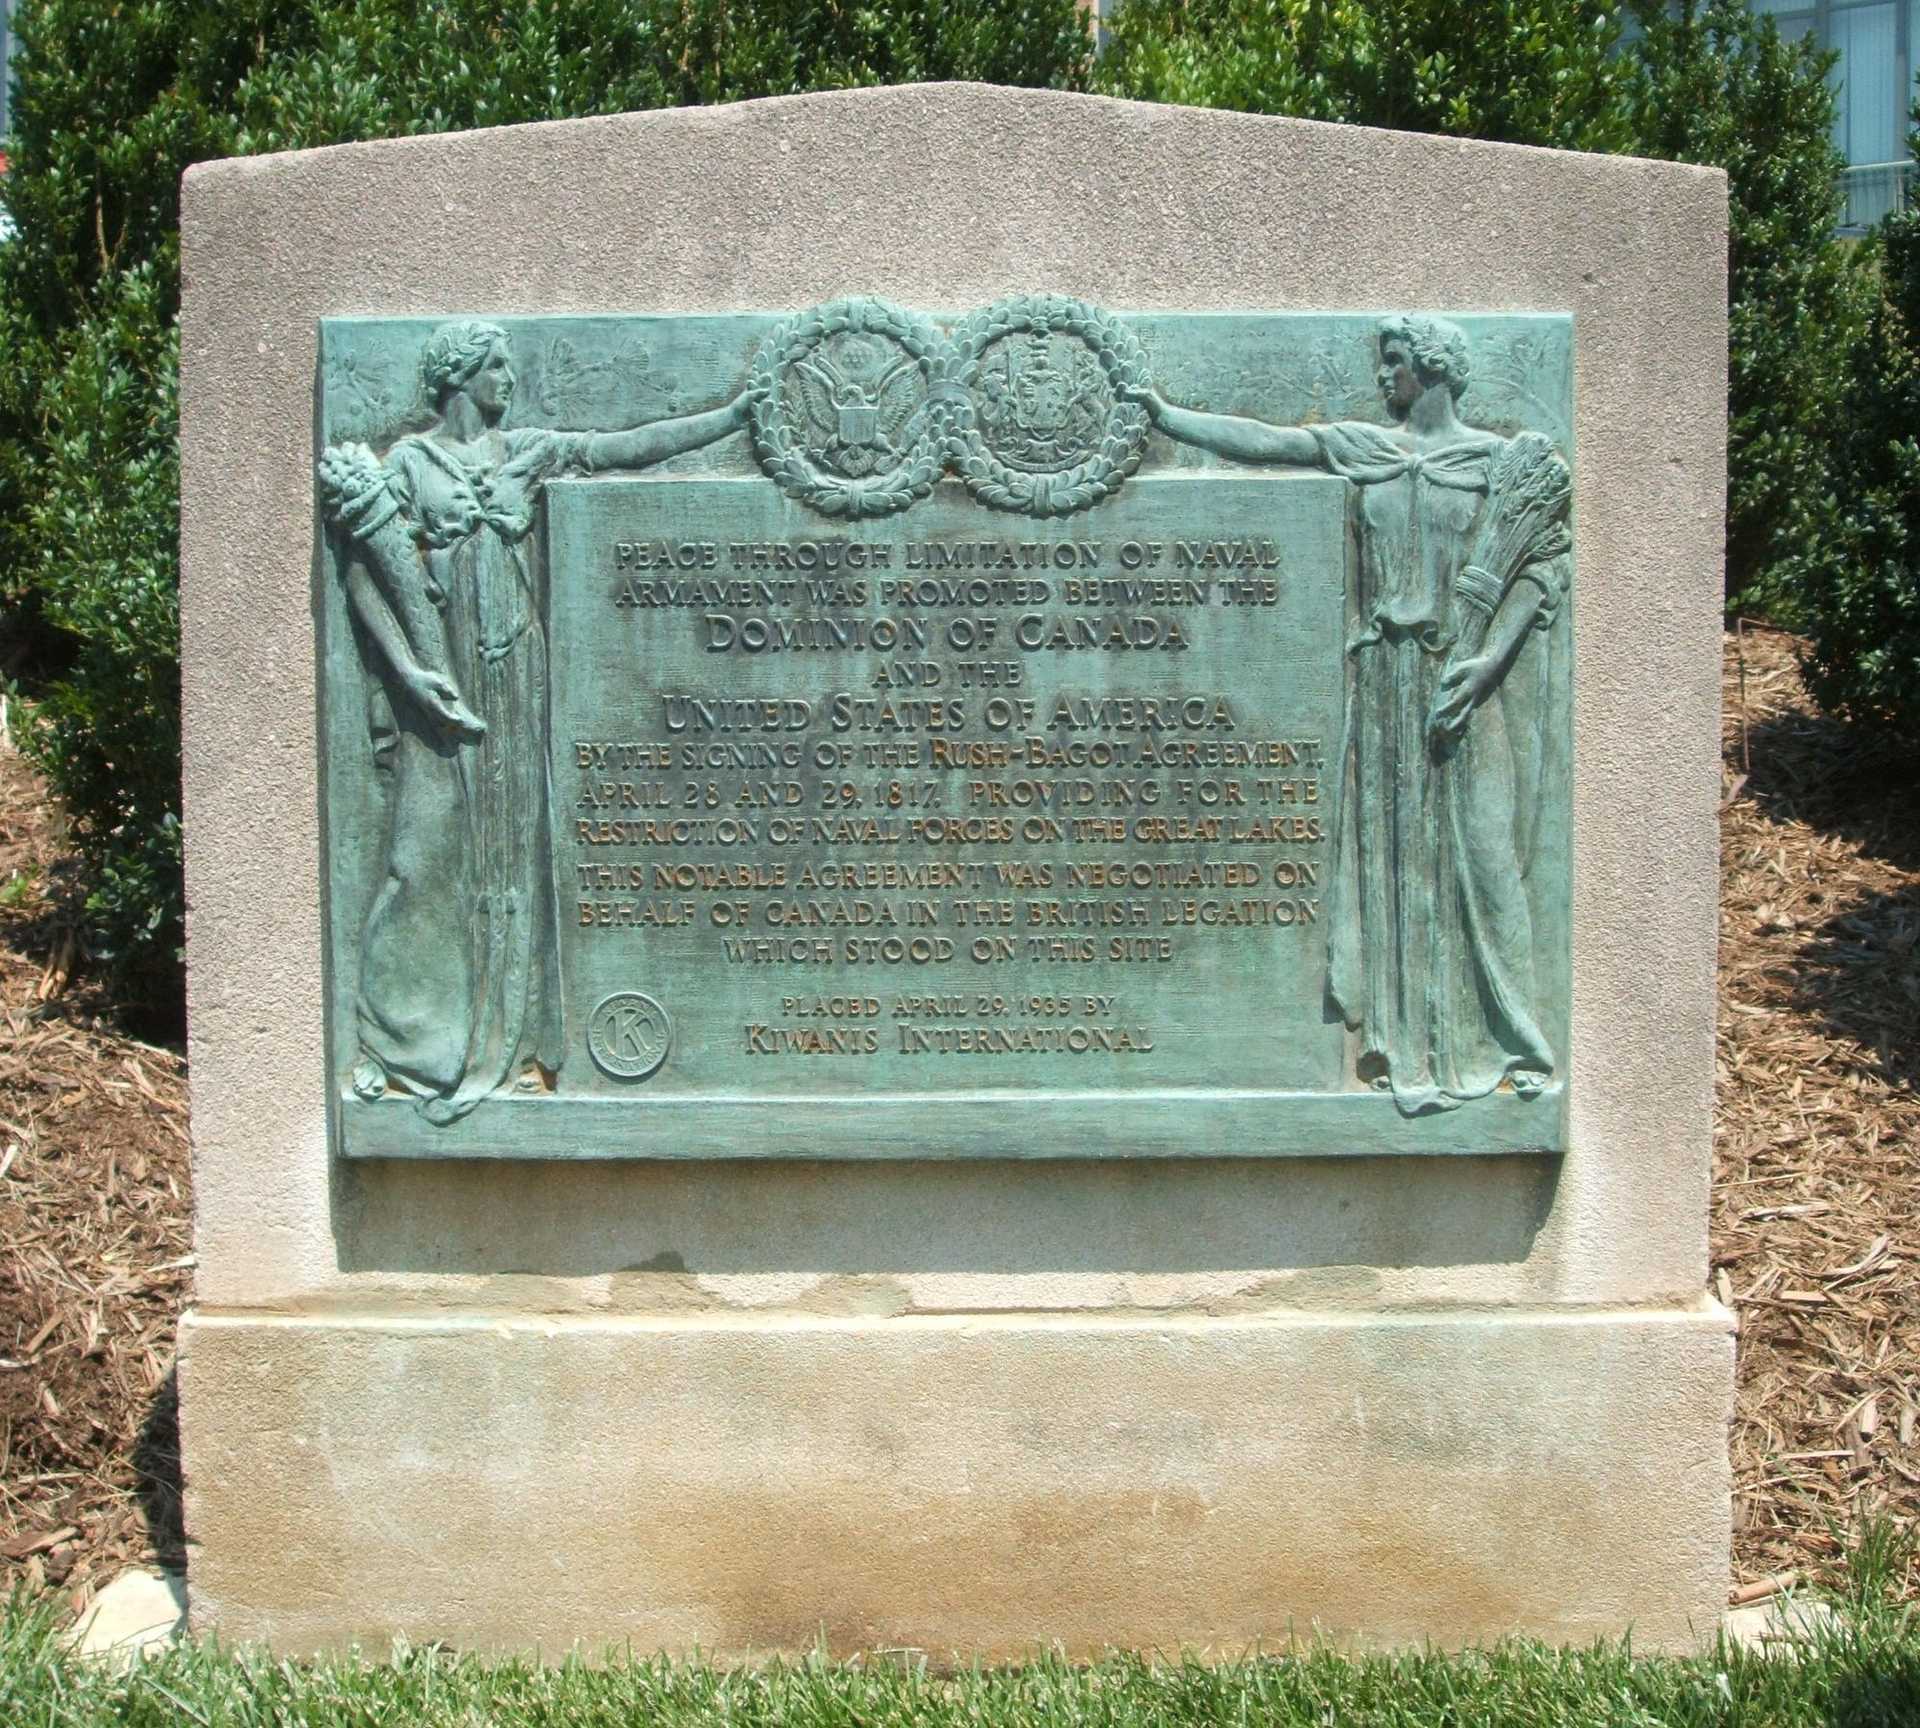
[(1525, 71), (89, 510), (1716, 85), (1857, 592)]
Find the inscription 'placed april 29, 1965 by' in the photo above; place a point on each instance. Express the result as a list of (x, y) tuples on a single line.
[(867, 732)]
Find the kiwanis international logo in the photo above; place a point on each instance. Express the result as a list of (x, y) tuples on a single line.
[(628, 1035)]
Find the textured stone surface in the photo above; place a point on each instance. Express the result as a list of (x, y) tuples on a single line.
[(959, 1484), (951, 196)]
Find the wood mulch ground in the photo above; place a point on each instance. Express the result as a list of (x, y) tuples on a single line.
[(1818, 1128), (94, 1241), (1815, 1238)]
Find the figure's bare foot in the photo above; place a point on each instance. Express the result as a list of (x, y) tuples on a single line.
[(369, 1078)]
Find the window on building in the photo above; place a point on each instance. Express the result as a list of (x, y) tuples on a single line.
[(1793, 18), (1868, 119), (1876, 49)]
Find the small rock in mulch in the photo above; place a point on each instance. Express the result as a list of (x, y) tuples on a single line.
[(140, 1612), (1778, 1626)]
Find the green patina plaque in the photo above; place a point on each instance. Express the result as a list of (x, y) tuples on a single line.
[(1032, 732)]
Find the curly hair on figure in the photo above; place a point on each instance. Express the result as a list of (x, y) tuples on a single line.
[(454, 353), (1438, 347)]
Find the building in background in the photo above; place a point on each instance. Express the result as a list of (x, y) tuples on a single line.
[(1878, 44)]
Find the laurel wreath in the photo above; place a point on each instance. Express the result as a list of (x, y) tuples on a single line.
[(1123, 360), (784, 455)]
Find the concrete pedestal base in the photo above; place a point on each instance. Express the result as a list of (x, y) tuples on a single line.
[(965, 1484)]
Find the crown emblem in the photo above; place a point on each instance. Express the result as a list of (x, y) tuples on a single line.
[(1044, 402)]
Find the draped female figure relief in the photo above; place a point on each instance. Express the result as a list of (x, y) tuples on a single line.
[(1465, 557), (459, 962)]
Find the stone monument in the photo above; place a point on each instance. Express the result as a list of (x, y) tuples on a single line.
[(955, 907)]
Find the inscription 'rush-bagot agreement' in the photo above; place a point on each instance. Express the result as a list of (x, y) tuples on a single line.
[(1037, 701)]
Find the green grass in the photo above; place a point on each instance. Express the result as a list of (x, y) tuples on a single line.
[(1862, 1673), (19, 888)]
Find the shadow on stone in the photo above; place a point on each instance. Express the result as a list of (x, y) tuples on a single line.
[(156, 1463), (1289, 1216)]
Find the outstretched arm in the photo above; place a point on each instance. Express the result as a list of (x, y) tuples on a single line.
[(1231, 435), (642, 446)]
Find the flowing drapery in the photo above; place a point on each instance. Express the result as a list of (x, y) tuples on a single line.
[(1431, 957), (459, 957)]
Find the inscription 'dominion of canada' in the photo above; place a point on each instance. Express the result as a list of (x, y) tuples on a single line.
[(930, 746)]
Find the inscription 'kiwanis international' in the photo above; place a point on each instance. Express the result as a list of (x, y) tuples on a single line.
[(1026, 704)]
